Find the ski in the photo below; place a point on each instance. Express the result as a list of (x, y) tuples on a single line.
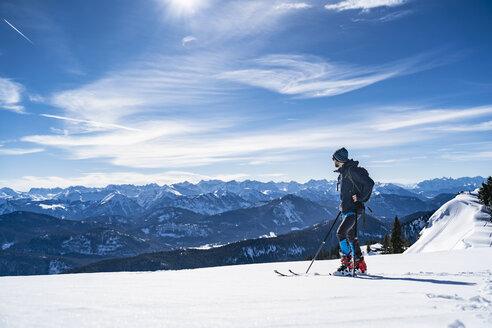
[(342, 275), (282, 274), (290, 274), (294, 273)]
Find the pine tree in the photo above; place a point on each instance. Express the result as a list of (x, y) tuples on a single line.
[(386, 244), (368, 248), (407, 243), (485, 194), (396, 237)]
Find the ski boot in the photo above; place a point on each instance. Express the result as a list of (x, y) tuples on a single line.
[(345, 267), (360, 266)]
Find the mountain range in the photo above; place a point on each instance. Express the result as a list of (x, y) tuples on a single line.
[(215, 196), (53, 230)]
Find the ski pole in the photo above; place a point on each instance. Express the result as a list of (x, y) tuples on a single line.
[(324, 241), (355, 244)]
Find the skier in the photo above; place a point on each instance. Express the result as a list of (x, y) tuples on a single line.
[(355, 189)]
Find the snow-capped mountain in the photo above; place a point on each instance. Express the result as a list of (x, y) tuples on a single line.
[(113, 204), (431, 188), (461, 223), (387, 206), (207, 204), (391, 189), (7, 193), (215, 196), (7, 206)]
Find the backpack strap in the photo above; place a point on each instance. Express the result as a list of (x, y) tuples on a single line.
[(352, 180), (360, 192)]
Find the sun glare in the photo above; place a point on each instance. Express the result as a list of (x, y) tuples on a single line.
[(185, 7)]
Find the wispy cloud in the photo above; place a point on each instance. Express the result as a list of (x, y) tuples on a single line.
[(386, 18), (395, 15), (18, 151), (10, 96), (293, 5), (483, 126), (468, 156), (311, 77), (25, 37), (232, 21), (424, 117), (187, 39), (149, 148), (96, 125), (148, 87), (102, 179), (168, 145), (365, 5)]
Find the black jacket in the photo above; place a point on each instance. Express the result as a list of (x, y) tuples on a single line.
[(347, 188)]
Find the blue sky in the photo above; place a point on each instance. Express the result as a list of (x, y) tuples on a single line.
[(100, 92)]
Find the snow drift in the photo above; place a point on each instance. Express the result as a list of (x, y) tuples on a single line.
[(461, 223)]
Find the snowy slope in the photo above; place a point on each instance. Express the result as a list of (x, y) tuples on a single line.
[(460, 223), (440, 289)]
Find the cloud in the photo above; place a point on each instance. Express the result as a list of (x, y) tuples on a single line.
[(96, 125), (102, 179), (10, 96), (395, 15), (483, 126), (187, 39), (312, 77), (19, 151), (239, 22), (468, 156), (149, 86), (296, 5), (384, 161), (386, 18), (191, 147), (424, 117), (365, 5)]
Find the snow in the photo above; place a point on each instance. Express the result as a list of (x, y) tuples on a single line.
[(460, 223), (7, 245), (271, 235), (286, 211), (52, 207), (439, 289)]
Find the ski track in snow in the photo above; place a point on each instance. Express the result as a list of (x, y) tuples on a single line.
[(435, 289)]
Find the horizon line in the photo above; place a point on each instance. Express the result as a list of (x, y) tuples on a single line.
[(406, 185)]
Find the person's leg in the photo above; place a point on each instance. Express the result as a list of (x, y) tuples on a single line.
[(352, 241), (360, 264), (343, 233), (345, 248)]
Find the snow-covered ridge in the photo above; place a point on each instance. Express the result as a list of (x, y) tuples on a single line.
[(461, 223)]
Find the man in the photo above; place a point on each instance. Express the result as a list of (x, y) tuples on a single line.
[(355, 189)]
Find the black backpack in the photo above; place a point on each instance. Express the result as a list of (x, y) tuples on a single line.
[(365, 174)]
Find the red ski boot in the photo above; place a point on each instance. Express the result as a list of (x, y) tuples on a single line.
[(360, 266), (345, 268)]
